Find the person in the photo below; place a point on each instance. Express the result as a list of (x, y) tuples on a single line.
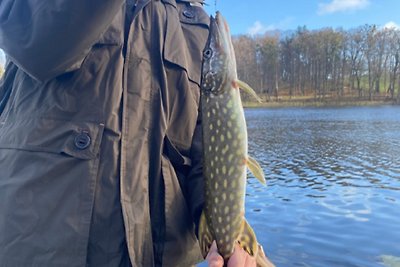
[(100, 133)]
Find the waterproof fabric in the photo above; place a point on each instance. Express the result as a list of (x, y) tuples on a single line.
[(95, 136)]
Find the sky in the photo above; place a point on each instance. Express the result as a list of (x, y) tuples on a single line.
[(258, 16)]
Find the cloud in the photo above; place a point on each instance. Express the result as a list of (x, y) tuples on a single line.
[(391, 25), (259, 28), (341, 5)]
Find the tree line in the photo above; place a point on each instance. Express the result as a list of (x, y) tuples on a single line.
[(362, 63)]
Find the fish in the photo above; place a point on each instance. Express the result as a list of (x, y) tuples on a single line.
[(225, 150)]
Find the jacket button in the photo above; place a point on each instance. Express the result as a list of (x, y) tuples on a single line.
[(82, 141), (189, 14)]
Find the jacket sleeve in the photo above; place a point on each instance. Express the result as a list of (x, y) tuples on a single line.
[(47, 38), (195, 184)]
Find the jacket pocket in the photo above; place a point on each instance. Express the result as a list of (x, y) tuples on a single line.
[(176, 158), (180, 163), (76, 139), (48, 176)]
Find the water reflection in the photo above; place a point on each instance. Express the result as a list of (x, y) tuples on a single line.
[(333, 180)]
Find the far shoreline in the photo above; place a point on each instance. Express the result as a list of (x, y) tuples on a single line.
[(318, 103)]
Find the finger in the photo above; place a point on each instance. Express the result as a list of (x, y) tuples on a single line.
[(213, 258), (250, 261), (238, 258)]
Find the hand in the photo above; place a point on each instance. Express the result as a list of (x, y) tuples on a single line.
[(239, 258)]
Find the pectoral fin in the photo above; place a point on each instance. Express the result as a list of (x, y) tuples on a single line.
[(255, 169), (245, 87), (205, 236)]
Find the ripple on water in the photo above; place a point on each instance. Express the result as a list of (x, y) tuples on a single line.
[(333, 185)]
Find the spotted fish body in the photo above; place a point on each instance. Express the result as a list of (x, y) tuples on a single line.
[(225, 156)]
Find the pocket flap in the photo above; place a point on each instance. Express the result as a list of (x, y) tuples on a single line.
[(77, 139), (185, 38), (192, 14)]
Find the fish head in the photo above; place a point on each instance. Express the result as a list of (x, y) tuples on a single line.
[(219, 64)]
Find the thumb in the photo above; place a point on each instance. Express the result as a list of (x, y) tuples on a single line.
[(213, 258)]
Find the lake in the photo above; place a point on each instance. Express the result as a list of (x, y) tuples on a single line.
[(333, 193)]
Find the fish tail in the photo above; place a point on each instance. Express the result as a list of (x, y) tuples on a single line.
[(248, 241), (261, 258)]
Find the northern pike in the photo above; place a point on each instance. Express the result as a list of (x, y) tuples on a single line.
[(225, 159)]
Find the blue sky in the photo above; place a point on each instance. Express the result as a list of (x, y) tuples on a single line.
[(258, 16)]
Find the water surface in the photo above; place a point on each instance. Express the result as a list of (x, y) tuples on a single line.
[(333, 194)]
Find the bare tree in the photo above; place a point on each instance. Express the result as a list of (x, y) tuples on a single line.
[(324, 62), (268, 58)]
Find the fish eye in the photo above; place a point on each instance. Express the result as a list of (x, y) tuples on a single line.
[(207, 53)]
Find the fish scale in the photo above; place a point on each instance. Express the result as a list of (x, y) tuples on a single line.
[(225, 157)]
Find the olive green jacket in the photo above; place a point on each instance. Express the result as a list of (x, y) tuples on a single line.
[(75, 104)]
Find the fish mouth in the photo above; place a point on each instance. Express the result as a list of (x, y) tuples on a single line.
[(219, 65), (222, 26), (219, 28)]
